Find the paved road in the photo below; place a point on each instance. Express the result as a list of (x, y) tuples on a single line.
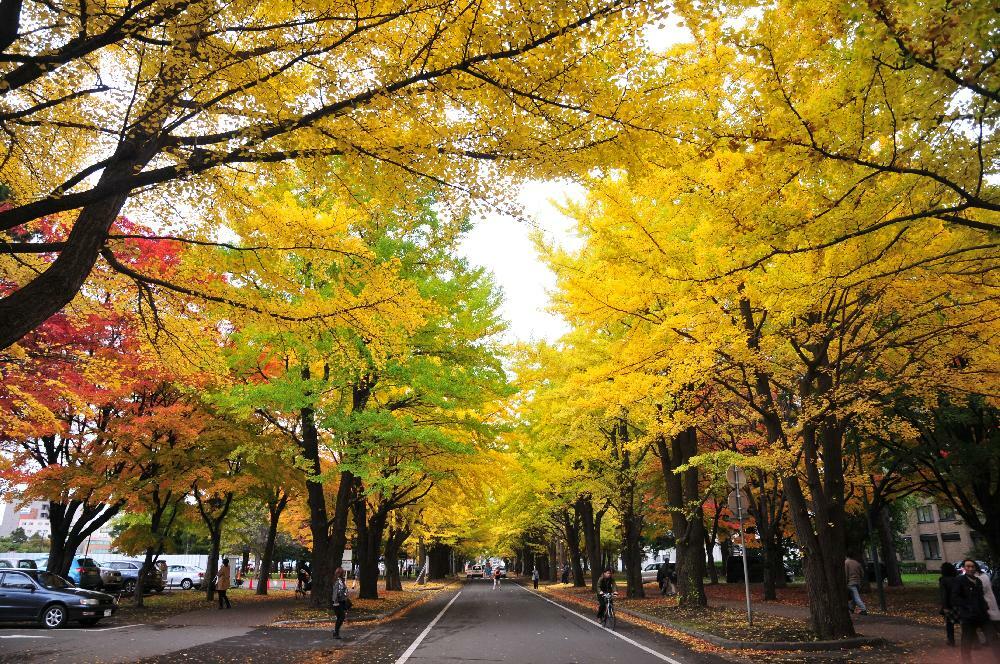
[(470, 623), (513, 624)]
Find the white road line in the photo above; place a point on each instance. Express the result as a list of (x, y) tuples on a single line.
[(413, 646), (597, 624), (24, 636), (98, 629)]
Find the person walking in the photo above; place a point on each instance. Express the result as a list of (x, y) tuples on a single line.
[(945, 583), (496, 578), (341, 602), (992, 607), (663, 579), (534, 577), (222, 583), (855, 573), (969, 601)]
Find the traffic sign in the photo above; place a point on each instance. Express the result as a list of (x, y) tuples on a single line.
[(739, 510), (736, 476)]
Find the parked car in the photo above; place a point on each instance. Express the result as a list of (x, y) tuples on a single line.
[(474, 572), (185, 576), (111, 580), (129, 569), (50, 599), (650, 571), (85, 573), (18, 563)]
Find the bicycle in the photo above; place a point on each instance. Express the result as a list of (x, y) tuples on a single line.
[(609, 610)]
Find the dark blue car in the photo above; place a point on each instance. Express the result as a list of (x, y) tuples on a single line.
[(33, 595)]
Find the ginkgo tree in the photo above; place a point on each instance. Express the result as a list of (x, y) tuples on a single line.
[(154, 105), (809, 343)]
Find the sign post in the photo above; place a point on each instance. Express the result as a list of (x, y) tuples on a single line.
[(737, 478)]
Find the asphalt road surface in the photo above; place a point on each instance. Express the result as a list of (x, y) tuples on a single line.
[(470, 623), (515, 624)]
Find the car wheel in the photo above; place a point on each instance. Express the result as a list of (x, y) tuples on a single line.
[(129, 587), (89, 622), (54, 616), (186, 584)]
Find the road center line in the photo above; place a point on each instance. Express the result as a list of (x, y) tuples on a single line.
[(599, 625), (413, 646)]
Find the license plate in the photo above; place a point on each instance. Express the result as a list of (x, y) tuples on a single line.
[(107, 612)]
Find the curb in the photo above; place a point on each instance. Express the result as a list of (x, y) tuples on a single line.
[(731, 644)]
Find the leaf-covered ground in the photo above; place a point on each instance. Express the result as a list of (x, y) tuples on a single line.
[(916, 601), (158, 607), (388, 602), (724, 622)]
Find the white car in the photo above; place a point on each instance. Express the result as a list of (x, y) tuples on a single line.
[(185, 576)]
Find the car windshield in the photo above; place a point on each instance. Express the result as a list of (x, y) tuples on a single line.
[(50, 580)]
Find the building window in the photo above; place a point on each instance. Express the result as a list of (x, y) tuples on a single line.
[(951, 537), (946, 513), (925, 514), (931, 547), (905, 548)]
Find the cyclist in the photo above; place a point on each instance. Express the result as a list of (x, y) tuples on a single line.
[(605, 589)]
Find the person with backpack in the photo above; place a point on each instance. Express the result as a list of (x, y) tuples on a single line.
[(222, 583), (341, 602)]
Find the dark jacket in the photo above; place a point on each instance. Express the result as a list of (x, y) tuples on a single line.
[(606, 585), (945, 584), (661, 573), (967, 599)]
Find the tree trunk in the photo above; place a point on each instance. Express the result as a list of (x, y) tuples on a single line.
[(687, 524), (711, 537), (341, 515), (214, 525), (274, 507), (591, 523), (437, 556), (369, 544), (550, 573), (319, 523), (28, 307), (212, 567), (71, 524), (632, 555), (823, 566), (571, 524), (393, 543), (883, 526), (774, 568)]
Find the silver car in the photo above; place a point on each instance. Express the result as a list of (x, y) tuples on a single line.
[(185, 576)]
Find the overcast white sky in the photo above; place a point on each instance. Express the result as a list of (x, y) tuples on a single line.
[(503, 245)]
